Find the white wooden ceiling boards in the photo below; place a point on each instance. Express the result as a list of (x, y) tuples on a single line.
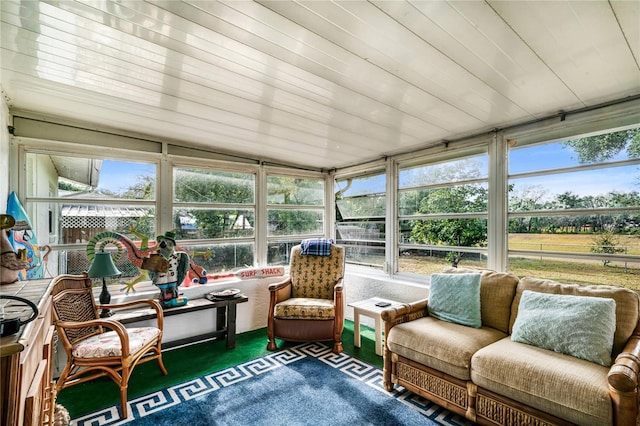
[(318, 84)]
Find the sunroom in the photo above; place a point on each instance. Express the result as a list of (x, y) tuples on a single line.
[(417, 135)]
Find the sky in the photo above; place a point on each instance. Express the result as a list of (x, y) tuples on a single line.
[(587, 182), (118, 176)]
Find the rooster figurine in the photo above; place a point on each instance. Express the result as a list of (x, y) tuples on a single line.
[(11, 263)]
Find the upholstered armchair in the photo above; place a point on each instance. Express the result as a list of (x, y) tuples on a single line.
[(309, 304), (97, 346)]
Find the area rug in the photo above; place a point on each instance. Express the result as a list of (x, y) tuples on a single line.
[(303, 385)]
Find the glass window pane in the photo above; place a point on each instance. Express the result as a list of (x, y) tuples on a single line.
[(365, 254), (450, 199), (79, 223), (295, 222), (609, 187), (447, 232), (295, 191), (360, 212), (446, 172), (593, 247), (202, 223), (430, 261), (586, 271), (604, 148), (221, 259), (613, 234), (362, 232), (212, 186), (50, 175), (279, 252), (361, 185), (362, 207)]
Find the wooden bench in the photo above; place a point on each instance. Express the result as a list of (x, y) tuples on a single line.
[(225, 325)]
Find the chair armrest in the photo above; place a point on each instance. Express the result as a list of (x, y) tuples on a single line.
[(153, 303), (280, 285), (280, 291), (114, 325)]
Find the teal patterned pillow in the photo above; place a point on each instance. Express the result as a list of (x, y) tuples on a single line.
[(580, 326), (456, 298)]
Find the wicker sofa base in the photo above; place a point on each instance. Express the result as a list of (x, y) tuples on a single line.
[(465, 398)]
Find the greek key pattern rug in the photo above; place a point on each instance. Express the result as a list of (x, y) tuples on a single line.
[(167, 402)]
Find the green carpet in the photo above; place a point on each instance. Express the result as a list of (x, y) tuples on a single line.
[(194, 361)]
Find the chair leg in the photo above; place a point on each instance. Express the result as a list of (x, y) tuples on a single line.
[(161, 362), (123, 400), (271, 345), (337, 347), (163, 370), (124, 385)]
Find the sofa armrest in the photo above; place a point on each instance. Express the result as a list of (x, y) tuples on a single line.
[(405, 313), (623, 381), (394, 316), (623, 374)]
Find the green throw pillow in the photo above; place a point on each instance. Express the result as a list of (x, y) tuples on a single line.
[(455, 298), (580, 326)]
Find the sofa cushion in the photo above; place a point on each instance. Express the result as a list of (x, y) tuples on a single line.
[(557, 322), (626, 303), (455, 298), (441, 345), (497, 290), (561, 385)]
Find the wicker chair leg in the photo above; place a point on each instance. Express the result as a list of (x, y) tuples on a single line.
[(123, 401)]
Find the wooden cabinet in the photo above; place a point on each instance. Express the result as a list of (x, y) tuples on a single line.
[(26, 358)]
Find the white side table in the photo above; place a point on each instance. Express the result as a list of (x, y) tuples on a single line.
[(368, 308)]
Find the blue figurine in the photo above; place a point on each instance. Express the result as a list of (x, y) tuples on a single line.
[(169, 281)]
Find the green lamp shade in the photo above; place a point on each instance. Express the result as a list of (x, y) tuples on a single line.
[(103, 266)]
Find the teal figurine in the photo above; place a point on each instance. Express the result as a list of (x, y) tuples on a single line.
[(168, 281)]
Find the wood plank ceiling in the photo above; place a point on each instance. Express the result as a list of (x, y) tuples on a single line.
[(318, 84)]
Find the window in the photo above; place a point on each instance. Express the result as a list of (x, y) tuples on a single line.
[(217, 208), (295, 211), (360, 218), (81, 198), (574, 208), (442, 213)]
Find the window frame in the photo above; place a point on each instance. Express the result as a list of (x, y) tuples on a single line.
[(438, 155), (164, 203)]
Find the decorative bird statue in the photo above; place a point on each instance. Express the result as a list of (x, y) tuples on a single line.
[(169, 280)]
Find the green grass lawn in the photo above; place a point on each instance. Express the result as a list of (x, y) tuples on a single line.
[(565, 270)]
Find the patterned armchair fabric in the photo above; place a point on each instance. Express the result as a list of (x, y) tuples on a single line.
[(309, 304), (315, 276)]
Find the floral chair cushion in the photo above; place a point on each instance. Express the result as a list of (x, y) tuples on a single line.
[(108, 344), (302, 308), (315, 276)]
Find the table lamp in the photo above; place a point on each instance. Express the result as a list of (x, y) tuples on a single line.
[(103, 267)]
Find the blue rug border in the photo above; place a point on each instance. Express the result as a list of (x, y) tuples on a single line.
[(347, 364)]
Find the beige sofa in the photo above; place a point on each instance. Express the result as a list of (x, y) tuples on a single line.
[(485, 376)]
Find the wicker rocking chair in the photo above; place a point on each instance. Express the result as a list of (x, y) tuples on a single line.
[(97, 346)]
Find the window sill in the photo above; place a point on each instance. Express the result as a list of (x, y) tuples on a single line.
[(146, 290)]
